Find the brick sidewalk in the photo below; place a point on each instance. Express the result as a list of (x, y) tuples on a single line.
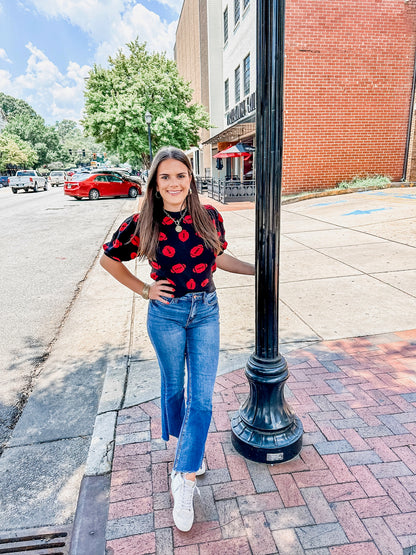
[(351, 491)]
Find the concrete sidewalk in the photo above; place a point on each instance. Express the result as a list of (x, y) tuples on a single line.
[(348, 266)]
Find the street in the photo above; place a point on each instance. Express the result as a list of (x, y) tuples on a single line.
[(48, 244)]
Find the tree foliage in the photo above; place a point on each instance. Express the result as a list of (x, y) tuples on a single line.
[(42, 138), (117, 98), (15, 152), (13, 106), (76, 148)]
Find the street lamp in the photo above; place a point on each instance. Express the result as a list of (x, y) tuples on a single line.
[(148, 119), (265, 429)]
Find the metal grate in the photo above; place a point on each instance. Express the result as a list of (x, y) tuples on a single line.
[(38, 541)]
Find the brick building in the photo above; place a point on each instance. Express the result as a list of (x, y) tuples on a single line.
[(349, 86)]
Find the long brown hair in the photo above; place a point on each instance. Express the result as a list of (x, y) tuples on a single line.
[(151, 213)]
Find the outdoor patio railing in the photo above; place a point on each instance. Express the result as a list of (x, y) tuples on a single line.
[(225, 190)]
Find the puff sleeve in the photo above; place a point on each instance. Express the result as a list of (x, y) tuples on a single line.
[(125, 242)]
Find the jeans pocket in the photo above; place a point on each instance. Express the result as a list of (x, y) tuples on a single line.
[(160, 303), (211, 299)]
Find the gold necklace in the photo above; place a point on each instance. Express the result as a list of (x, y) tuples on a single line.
[(178, 227)]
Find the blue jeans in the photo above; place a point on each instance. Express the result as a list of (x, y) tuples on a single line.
[(186, 329)]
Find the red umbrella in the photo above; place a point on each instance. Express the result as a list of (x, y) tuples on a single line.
[(235, 151)]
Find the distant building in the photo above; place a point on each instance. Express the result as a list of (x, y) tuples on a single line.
[(349, 86)]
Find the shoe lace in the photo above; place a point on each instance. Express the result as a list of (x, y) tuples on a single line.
[(186, 499)]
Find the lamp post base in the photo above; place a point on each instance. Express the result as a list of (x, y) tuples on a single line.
[(266, 447), (265, 429)]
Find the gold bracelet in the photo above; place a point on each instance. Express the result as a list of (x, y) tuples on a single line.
[(145, 291)]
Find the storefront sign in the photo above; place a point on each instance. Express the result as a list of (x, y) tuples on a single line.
[(245, 107)]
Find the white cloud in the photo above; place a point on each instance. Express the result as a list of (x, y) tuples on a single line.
[(113, 23), (52, 93), (3, 54), (110, 24)]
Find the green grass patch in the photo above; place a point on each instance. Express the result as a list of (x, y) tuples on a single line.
[(365, 182)]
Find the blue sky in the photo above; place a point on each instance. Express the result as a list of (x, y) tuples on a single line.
[(48, 46)]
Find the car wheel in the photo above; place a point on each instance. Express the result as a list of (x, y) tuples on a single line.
[(94, 194), (45, 187), (14, 190), (132, 192), (35, 188)]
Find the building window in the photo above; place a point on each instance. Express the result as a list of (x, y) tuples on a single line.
[(225, 25), (227, 95), (236, 11), (246, 70), (237, 84), (245, 3)]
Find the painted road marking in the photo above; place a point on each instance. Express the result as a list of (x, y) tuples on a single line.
[(360, 212)]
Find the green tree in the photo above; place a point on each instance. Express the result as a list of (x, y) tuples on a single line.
[(13, 106), (43, 139), (116, 100), (15, 152), (77, 149)]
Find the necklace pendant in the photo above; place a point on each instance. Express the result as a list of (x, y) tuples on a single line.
[(178, 228)]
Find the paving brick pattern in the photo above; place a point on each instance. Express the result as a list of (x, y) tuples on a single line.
[(352, 490)]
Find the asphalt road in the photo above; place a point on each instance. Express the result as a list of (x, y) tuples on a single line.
[(48, 242)]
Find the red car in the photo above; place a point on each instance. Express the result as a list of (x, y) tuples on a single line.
[(98, 185)]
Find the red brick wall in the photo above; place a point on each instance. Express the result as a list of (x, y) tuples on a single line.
[(349, 68)]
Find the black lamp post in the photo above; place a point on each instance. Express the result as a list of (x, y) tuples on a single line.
[(148, 119), (265, 429)]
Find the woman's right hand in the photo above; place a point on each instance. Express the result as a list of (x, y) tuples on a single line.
[(160, 289)]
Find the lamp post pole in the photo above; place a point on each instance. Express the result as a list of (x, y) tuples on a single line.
[(148, 119), (265, 429)]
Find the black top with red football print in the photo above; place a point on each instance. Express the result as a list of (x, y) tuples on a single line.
[(181, 258)]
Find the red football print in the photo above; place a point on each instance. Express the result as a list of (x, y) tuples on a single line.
[(191, 284), (167, 221), (155, 265), (188, 219), (171, 282), (123, 226), (162, 236), (196, 251), (199, 268), (115, 258), (168, 251), (117, 244), (178, 268), (205, 283), (224, 245), (183, 235), (214, 267), (136, 217), (135, 240), (105, 246), (154, 275), (133, 255), (221, 219)]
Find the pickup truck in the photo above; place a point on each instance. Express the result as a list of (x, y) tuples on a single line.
[(27, 180)]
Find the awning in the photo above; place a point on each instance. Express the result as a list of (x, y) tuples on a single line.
[(235, 151), (234, 133)]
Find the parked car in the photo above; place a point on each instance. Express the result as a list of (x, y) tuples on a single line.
[(121, 172), (56, 178), (27, 180), (4, 180), (96, 185)]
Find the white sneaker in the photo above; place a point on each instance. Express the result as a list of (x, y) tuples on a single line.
[(183, 496), (201, 470)]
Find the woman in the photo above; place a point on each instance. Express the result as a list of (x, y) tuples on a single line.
[(184, 243)]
